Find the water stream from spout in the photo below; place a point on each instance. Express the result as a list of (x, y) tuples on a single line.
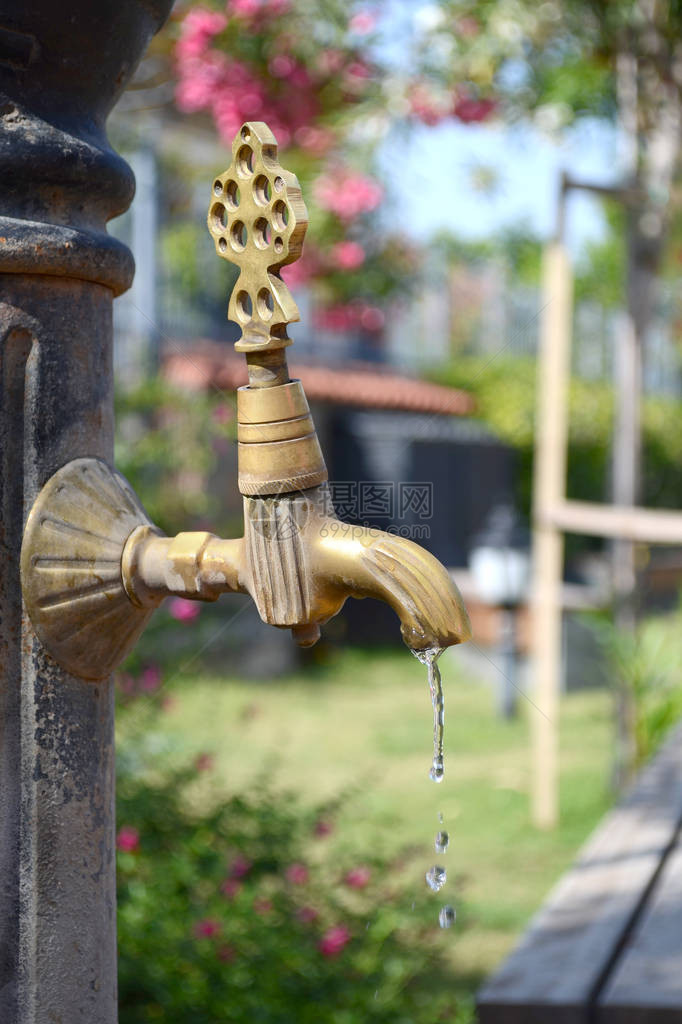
[(429, 657), (436, 876)]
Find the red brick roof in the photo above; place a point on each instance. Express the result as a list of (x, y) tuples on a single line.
[(209, 364)]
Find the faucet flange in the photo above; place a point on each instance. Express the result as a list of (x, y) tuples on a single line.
[(71, 568)]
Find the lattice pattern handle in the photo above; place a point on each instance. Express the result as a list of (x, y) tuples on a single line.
[(258, 220)]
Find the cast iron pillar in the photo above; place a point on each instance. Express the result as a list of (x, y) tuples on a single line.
[(62, 67)]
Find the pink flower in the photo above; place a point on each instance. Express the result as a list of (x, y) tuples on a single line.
[(198, 29), (329, 62), (355, 76), (425, 106), (183, 610), (250, 103), (225, 113), (347, 193), (348, 255), (230, 888), (372, 319), (128, 839), (223, 413), (204, 762), (206, 929), (334, 940), (307, 915), (244, 8), (226, 953), (299, 77), (299, 273), (254, 8), (471, 111), (350, 316), (362, 23), (150, 678), (297, 874), (201, 81), (262, 907), (323, 828), (126, 683), (281, 66), (314, 139), (357, 878), (240, 866), (168, 703)]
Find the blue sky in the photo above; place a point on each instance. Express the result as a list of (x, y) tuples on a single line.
[(429, 171), (430, 174)]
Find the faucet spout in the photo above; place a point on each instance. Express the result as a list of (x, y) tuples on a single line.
[(370, 563), (305, 562)]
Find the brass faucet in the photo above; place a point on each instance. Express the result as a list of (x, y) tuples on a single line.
[(94, 567)]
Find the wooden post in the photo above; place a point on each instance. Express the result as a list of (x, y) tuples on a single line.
[(625, 491), (551, 436)]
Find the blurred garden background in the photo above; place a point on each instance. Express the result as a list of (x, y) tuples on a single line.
[(275, 813)]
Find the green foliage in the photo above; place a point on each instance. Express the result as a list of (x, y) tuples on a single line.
[(232, 909), (376, 754), (505, 392), (555, 60), (190, 265), (600, 273), (646, 662), (516, 247), (166, 444)]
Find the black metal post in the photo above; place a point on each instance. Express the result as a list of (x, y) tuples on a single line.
[(509, 662), (62, 67)]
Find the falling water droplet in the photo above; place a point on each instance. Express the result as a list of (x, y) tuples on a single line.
[(436, 878), (442, 842), (429, 657), (447, 916), (440, 817)]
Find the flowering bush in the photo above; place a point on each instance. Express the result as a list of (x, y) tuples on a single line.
[(238, 909), (166, 443), (315, 73)]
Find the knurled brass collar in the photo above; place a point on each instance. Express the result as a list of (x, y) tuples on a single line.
[(278, 452)]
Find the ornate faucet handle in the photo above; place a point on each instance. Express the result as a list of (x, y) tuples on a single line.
[(258, 220)]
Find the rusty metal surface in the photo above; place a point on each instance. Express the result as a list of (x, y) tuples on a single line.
[(62, 67), (57, 896)]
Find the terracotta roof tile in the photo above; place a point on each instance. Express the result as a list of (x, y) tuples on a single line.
[(210, 364)]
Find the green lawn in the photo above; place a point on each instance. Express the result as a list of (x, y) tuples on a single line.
[(361, 720)]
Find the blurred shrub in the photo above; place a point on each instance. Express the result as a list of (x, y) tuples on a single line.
[(235, 909), (646, 663), (167, 442), (505, 392)]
